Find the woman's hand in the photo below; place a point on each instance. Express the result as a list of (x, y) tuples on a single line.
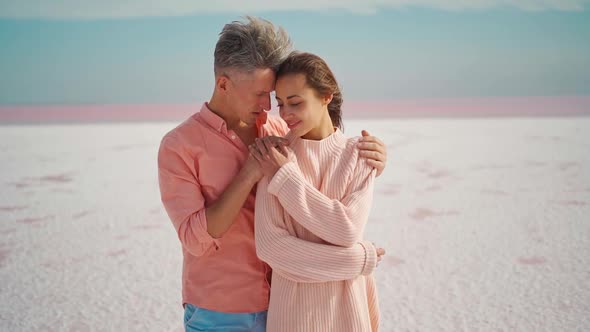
[(271, 153)]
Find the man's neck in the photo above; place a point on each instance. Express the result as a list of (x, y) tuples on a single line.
[(218, 107), (245, 132)]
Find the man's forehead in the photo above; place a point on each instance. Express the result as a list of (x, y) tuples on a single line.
[(260, 81), (250, 75), (266, 83)]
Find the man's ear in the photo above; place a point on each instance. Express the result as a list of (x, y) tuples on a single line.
[(221, 83)]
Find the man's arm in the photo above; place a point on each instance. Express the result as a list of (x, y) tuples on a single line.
[(222, 213), (370, 146), (197, 227)]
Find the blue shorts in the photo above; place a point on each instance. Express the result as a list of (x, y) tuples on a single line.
[(199, 319)]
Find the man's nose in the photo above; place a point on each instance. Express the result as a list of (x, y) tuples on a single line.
[(265, 104)]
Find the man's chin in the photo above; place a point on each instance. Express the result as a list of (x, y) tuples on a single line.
[(251, 121), (255, 117)]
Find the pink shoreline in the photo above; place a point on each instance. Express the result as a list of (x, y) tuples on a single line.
[(438, 107), (476, 106)]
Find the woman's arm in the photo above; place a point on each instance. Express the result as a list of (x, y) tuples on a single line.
[(340, 222), (300, 260)]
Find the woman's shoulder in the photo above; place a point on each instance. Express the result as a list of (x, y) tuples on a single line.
[(351, 147), (351, 155)]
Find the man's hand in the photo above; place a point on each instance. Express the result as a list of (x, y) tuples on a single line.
[(270, 153), (275, 141), (252, 170), (374, 150), (380, 253)]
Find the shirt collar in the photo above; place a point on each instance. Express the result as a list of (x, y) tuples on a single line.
[(212, 119), (260, 122), (219, 124)]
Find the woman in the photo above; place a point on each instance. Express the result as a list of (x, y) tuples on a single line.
[(311, 210)]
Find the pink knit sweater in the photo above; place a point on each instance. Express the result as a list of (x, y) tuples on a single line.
[(309, 225)]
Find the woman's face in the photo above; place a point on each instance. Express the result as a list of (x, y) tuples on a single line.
[(299, 105)]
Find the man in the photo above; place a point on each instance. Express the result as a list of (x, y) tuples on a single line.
[(207, 181)]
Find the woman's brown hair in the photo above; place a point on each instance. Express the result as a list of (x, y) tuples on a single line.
[(319, 77)]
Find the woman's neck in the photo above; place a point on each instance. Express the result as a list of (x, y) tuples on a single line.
[(324, 129)]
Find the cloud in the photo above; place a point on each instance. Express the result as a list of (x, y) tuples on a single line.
[(92, 9)]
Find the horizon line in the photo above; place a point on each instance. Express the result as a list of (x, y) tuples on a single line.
[(534, 106)]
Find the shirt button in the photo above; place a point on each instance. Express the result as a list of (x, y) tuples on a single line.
[(233, 136)]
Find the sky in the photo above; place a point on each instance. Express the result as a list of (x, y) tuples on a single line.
[(107, 52)]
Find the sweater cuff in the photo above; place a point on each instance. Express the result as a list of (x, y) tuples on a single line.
[(278, 180), (370, 258)]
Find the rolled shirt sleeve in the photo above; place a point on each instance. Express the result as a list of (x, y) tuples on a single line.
[(182, 198)]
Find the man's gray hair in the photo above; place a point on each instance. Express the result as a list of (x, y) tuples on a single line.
[(246, 46)]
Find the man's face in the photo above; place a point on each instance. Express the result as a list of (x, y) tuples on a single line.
[(249, 93)]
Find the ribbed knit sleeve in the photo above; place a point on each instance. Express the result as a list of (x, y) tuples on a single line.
[(339, 222), (300, 260)]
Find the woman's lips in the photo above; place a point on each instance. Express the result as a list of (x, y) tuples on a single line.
[(293, 125)]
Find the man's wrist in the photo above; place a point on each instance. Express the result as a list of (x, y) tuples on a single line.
[(273, 172), (248, 177)]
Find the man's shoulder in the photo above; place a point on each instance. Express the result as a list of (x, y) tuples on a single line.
[(183, 131)]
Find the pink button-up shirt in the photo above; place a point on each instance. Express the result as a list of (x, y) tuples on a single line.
[(196, 162)]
